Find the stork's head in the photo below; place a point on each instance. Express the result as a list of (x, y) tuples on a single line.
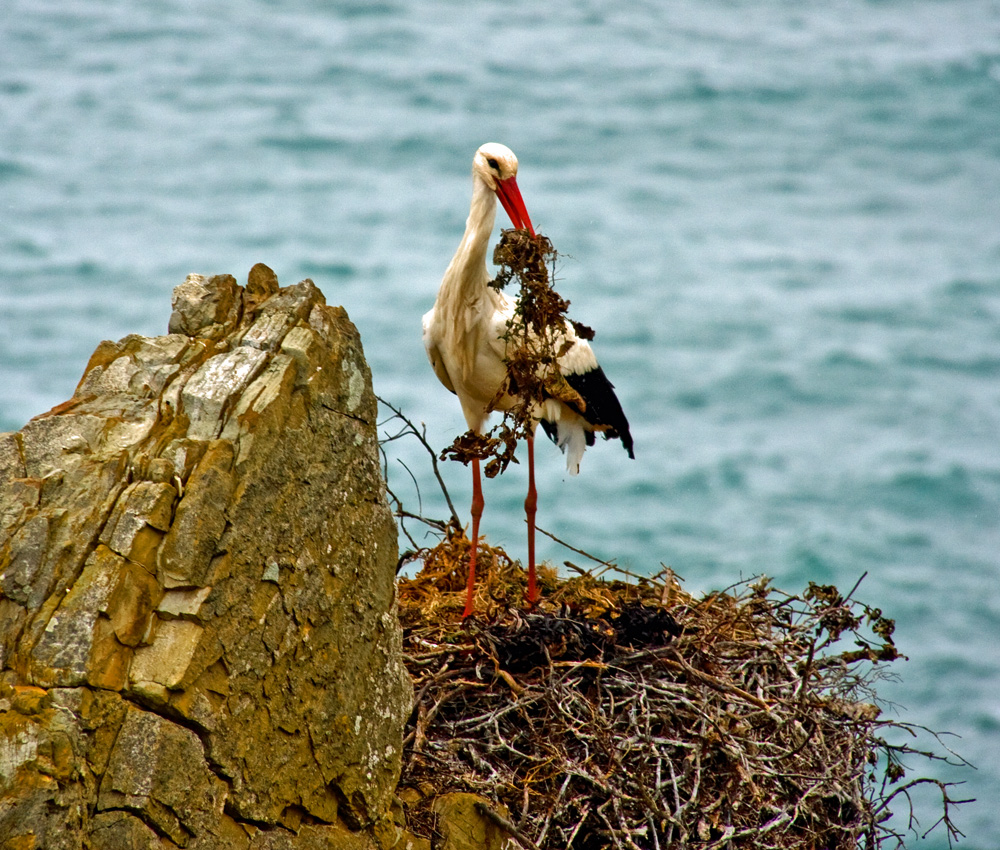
[(496, 166)]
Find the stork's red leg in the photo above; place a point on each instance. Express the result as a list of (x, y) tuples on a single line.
[(477, 512), (530, 506)]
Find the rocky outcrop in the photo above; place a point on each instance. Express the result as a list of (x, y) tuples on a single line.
[(198, 640)]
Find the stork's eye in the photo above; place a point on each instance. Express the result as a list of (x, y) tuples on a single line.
[(492, 163)]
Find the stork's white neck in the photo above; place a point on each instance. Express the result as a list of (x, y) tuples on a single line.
[(467, 271)]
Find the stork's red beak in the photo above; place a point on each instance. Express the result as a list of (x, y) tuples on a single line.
[(510, 197)]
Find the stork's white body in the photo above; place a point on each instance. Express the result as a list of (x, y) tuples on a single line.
[(464, 336)]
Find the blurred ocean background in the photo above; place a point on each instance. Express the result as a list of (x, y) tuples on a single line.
[(783, 219)]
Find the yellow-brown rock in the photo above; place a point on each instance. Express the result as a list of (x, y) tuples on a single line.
[(198, 640), (463, 826)]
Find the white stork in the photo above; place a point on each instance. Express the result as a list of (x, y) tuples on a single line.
[(464, 337)]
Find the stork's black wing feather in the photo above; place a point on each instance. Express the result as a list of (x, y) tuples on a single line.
[(603, 410)]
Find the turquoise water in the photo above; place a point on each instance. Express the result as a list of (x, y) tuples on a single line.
[(782, 221)]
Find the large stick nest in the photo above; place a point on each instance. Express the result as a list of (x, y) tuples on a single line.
[(632, 715)]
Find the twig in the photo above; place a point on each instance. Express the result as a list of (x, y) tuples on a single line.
[(421, 435), (572, 548), (608, 565)]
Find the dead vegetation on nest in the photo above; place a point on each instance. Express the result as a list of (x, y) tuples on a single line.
[(629, 714)]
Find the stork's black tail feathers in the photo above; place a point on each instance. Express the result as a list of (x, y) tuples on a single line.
[(603, 411)]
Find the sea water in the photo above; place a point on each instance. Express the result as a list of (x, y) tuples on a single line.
[(782, 219)]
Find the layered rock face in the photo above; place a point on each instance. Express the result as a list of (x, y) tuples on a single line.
[(197, 636)]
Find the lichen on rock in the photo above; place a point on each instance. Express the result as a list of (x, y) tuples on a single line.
[(197, 635)]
